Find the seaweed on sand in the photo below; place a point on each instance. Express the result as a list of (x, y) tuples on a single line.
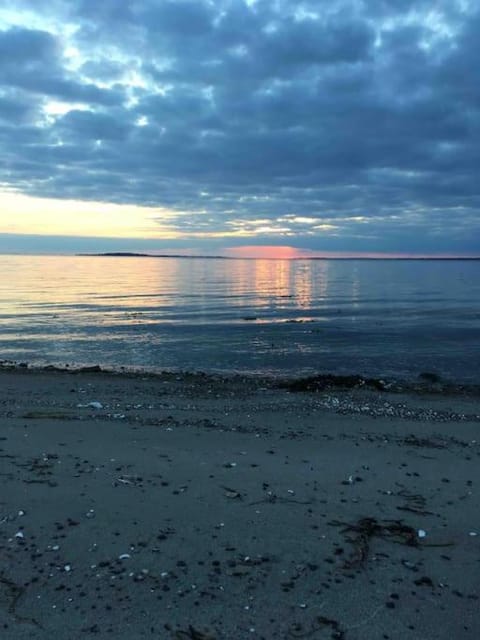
[(361, 533), (330, 381), (14, 592), (192, 634)]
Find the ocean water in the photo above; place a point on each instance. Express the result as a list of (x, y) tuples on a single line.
[(378, 318)]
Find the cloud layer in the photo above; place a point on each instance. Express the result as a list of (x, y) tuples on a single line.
[(348, 124)]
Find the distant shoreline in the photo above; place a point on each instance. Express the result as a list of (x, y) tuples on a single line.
[(128, 254)]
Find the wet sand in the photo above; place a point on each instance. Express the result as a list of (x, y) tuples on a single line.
[(183, 506)]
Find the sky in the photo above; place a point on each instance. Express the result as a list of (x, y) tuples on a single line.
[(327, 127)]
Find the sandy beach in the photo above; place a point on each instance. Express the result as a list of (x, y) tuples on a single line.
[(209, 508)]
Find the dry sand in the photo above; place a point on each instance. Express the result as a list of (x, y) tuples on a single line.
[(208, 508)]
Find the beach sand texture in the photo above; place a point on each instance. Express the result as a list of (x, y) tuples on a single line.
[(209, 508)]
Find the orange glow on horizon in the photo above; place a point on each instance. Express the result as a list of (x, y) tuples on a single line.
[(140, 227), (267, 251)]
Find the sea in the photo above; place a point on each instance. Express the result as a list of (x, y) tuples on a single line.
[(392, 319)]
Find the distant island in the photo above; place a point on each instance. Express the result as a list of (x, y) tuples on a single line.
[(130, 254)]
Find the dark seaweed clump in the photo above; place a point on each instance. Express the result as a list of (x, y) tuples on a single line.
[(330, 381), (426, 382)]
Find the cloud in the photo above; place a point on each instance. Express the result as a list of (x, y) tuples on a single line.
[(360, 117), (26, 48), (16, 108), (83, 125), (32, 62)]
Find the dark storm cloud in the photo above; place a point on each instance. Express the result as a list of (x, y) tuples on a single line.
[(363, 117)]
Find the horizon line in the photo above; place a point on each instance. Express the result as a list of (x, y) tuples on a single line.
[(132, 254)]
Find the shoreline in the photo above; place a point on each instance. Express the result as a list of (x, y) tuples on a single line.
[(425, 382), (187, 505)]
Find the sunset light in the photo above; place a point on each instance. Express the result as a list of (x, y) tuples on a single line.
[(239, 319)]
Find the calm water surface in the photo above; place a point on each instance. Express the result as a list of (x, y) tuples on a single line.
[(381, 318)]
